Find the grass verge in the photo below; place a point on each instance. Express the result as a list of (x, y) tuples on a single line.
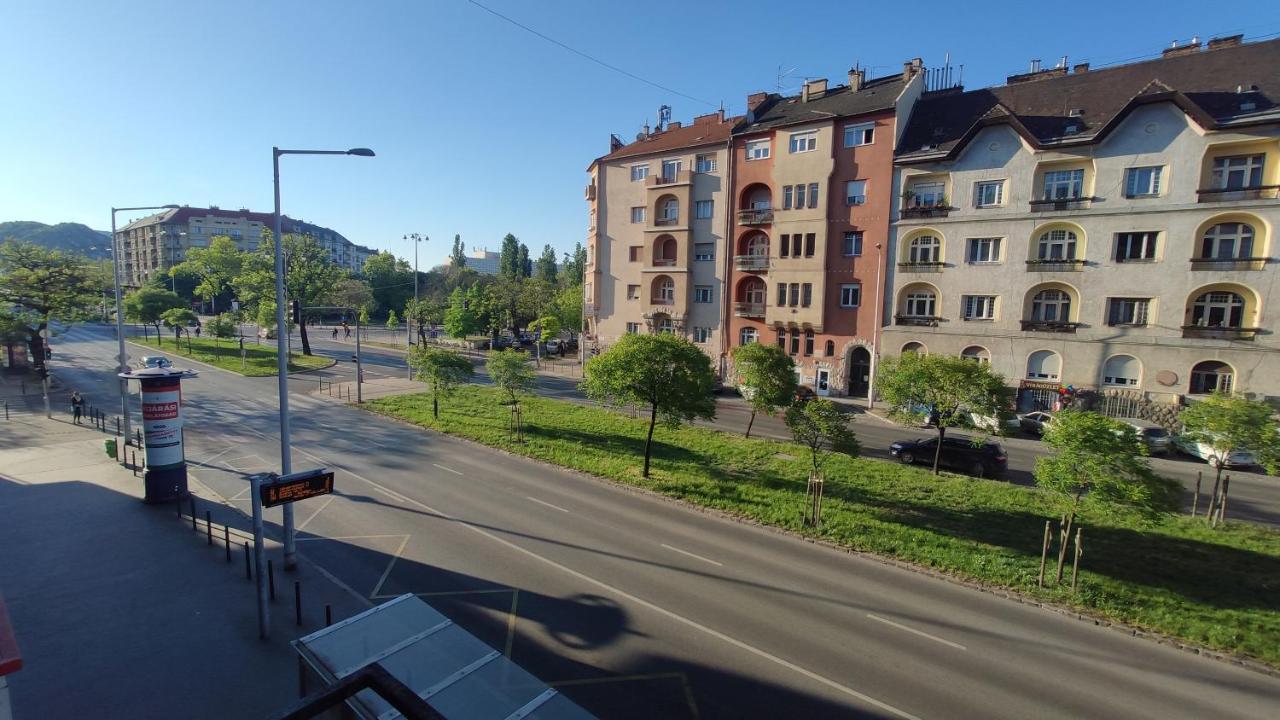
[(259, 360), (1172, 574)]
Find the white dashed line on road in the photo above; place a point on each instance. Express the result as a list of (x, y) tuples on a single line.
[(696, 557), (543, 502), (917, 632), (455, 472)]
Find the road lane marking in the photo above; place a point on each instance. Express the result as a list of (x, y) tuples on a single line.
[(697, 557), (917, 632), (455, 472), (511, 622), (304, 523), (393, 495), (543, 502), (349, 537), (390, 564)]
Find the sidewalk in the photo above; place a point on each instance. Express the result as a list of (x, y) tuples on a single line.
[(119, 608)]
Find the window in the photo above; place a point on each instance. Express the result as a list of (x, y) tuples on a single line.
[(800, 196), (806, 294), (813, 195), (1122, 370), (1142, 181), (634, 252), (1136, 246), (666, 288), (794, 294), (989, 193), (920, 303), (925, 249), (1237, 172), (591, 219), (758, 246), (979, 307), (1211, 376), (705, 164), (803, 141), (757, 149), (1226, 241), (1051, 306), (856, 192), (1043, 365), (702, 293), (1063, 184), (633, 328), (784, 247), (808, 342), (1128, 311), (786, 197), (701, 334), (830, 348), (930, 194), (782, 294), (637, 214), (702, 209), (796, 239), (747, 336), (670, 209), (915, 347), (795, 341), (639, 172), (810, 240), (983, 250), (855, 135), (633, 292), (1218, 309), (704, 251), (782, 339), (665, 326), (851, 295), (853, 243), (976, 353), (671, 169), (1057, 245)]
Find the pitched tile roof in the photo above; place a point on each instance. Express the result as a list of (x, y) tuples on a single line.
[(704, 130), (777, 111), (1204, 84)]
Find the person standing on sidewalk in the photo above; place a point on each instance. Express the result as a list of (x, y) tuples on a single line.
[(77, 406)]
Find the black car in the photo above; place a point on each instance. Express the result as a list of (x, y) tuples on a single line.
[(958, 453)]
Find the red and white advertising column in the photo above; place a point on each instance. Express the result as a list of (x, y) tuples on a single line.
[(165, 479)]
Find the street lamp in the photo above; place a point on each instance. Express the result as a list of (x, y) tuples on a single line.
[(123, 360), (282, 339), (416, 238)]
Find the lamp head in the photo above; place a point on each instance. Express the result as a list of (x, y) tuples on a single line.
[(362, 152)]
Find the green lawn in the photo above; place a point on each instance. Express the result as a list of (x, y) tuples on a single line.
[(1171, 574), (259, 360)]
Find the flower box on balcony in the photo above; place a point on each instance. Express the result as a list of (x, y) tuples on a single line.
[(755, 216), (751, 263), (1049, 326), (917, 320), (1244, 263), (1078, 203), (1055, 265), (932, 267), (1204, 332)]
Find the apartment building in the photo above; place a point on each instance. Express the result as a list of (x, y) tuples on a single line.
[(813, 188), (157, 242), (1105, 229), (656, 238)]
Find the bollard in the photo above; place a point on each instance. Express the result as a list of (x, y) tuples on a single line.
[(248, 570), (133, 462), (297, 603), (117, 426), (177, 504), (193, 514), (328, 615), (271, 581), (6, 409), (208, 527), (226, 540)]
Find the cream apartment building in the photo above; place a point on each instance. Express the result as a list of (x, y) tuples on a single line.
[(1103, 229), (656, 239)]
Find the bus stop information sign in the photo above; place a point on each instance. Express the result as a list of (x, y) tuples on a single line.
[(295, 486)]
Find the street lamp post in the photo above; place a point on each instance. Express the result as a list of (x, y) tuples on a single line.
[(122, 358), (282, 340), (416, 238)]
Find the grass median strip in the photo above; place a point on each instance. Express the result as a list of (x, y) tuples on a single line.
[(1172, 574), (259, 360)]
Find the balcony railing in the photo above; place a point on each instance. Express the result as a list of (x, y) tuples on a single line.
[(589, 193), (748, 310), (589, 308), (1244, 263), (1258, 192), (917, 320), (1219, 333), (1056, 326), (755, 216), (663, 301), (664, 262), (666, 220), (932, 267), (1055, 265), (926, 211), (1077, 203), (751, 262), (682, 176)]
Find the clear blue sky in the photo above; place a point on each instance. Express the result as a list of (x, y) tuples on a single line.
[(481, 128)]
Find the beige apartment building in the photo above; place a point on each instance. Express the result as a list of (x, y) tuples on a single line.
[(658, 222), (1109, 229)]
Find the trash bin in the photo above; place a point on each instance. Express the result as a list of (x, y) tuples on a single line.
[(111, 448)]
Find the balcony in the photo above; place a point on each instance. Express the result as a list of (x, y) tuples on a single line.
[(748, 310), (755, 216), (1055, 265), (683, 177), (1203, 332), (589, 308), (917, 320), (1053, 326), (665, 221), (1244, 263), (589, 193), (1076, 203), (662, 301), (1258, 192), (926, 211), (751, 263), (921, 267), (664, 262)]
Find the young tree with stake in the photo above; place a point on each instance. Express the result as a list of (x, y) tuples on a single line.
[(766, 378), (823, 428), (442, 369), (1231, 423), (511, 373)]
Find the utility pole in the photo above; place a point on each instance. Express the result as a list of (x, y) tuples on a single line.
[(416, 238)]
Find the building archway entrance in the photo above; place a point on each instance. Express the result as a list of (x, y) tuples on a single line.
[(859, 372)]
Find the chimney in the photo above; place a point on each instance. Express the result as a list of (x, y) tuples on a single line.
[(673, 125), (1080, 68), (755, 100), (1174, 49), (857, 77), (813, 89), (1035, 75), (911, 68), (1225, 42), (709, 118)]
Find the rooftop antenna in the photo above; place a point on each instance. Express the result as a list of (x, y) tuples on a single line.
[(664, 117), (782, 74)]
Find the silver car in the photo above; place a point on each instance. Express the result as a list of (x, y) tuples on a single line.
[(156, 361), (1155, 437)]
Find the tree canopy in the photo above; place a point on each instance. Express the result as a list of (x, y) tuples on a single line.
[(766, 378), (215, 268), (545, 268), (148, 305), (509, 263), (390, 280), (441, 369), (458, 256), (510, 372), (38, 285), (822, 427)]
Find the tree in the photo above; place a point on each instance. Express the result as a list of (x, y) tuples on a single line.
[(460, 319), (545, 268), (547, 327), (526, 265), (823, 428), (222, 326), (669, 374), (390, 281), (442, 369), (766, 378), (950, 389), (148, 306), (1098, 459), (363, 316), (350, 293), (568, 307), (308, 275), (179, 318), (1227, 423), (510, 372), (420, 313), (38, 285), (573, 266), (392, 321), (509, 264), (458, 256), (215, 268)]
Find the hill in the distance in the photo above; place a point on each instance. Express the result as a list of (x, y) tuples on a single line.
[(71, 237)]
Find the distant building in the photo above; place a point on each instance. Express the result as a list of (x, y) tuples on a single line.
[(482, 261), (155, 243)]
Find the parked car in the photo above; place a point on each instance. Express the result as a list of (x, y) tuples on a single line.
[(156, 361), (553, 346), (958, 453), (502, 342), (804, 393), (1155, 437), (1206, 452), (1035, 422), (1004, 423)]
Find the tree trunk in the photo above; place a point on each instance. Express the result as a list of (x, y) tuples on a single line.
[(1065, 536), (35, 345), (751, 422), (1213, 497), (302, 327), (159, 336), (937, 451), (435, 403), (648, 441)]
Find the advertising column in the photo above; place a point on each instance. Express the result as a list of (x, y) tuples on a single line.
[(165, 479)]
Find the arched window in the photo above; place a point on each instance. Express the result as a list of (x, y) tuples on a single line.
[(670, 209), (747, 336), (925, 249), (1057, 245), (1218, 308), (1051, 305), (664, 290), (665, 250), (1043, 365), (915, 347), (1211, 376), (976, 353), (1121, 371), (1227, 241), (758, 245), (752, 291), (830, 348), (920, 302)]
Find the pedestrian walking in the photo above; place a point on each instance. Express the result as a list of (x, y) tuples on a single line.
[(77, 406), (347, 330), (335, 333), (197, 329)]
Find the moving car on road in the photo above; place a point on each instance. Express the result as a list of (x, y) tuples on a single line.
[(1206, 452), (986, 459), (1155, 437), (156, 361), (1035, 422)]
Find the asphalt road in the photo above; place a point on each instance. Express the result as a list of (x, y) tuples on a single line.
[(637, 607)]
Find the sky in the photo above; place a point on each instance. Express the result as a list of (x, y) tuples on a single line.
[(481, 128)]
